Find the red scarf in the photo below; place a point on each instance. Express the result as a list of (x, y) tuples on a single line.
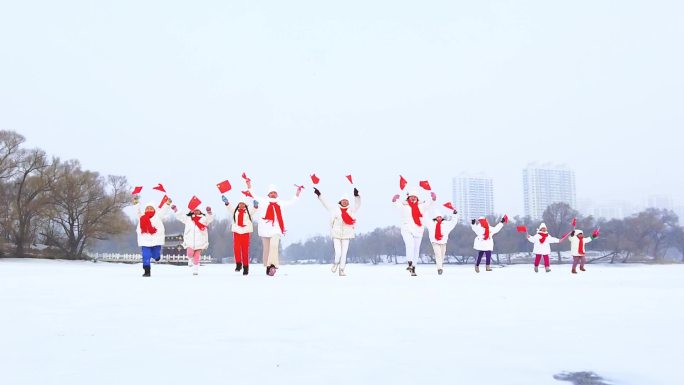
[(199, 224), (272, 211), (543, 237), (346, 218), (485, 225), (438, 231), (581, 245), (146, 223), (415, 213), (241, 217)]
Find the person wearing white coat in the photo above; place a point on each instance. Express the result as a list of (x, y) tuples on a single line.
[(484, 241), (242, 218), (577, 242), (196, 234), (272, 226), (438, 230), (342, 221), (151, 232), (542, 247), (412, 227)]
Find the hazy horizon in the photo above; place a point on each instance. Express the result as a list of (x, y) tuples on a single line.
[(190, 96)]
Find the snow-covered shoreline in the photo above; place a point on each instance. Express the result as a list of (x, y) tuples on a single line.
[(76, 322)]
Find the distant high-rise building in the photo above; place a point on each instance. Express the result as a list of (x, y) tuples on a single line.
[(545, 185), (473, 196), (660, 201)]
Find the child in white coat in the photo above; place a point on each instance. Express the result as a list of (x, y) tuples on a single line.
[(439, 229), (412, 227), (484, 241), (242, 217), (151, 232), (542, 247), (272, 226), (577, 243), (342, 221), (196, 234)]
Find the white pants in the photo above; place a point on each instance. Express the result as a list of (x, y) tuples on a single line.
[(270, 254), (440, 252), (412, 244), (341, 248)]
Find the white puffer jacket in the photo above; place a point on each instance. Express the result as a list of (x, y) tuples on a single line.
[(407, 223), (339, 229), (575, 242), (193, 237), (482, 244), (542, 248), (158, 238), (269, 229), (447, 226), (249, 224)]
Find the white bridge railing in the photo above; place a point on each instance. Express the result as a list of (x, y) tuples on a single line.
[(132, 258)]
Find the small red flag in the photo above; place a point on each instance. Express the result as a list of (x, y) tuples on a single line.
[(164, 200), (299, 187), (596, 233), (505, 218), (244, 176), (247, 194), (574, 222), (194, 203), (314, 179), (224, 186), (137, 190), (449, 205), (425, 184), (402, 182), (159, 187), (349, 177), (522, 229)]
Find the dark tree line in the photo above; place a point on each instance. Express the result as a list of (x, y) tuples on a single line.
[(57, 203)]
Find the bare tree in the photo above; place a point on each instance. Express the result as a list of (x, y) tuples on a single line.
[(10, 144), (35, 175), (85, 206)]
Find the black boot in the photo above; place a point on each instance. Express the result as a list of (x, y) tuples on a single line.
[(147, 271), (410, 265), (267, 268), (245, 270), (238, 266)]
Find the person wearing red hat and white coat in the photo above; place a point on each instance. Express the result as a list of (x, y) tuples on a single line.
[(272, 226), (343, 219), (196, 234), (412, 227), (484, 241), (243, 218), (542, 247), (439, 229), (577, 243), (151, 232)]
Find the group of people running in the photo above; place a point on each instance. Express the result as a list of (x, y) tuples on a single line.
[(271, 227)]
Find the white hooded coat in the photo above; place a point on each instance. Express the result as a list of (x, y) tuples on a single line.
[(158, 238), (482, 244), (542, 248), (249, 224), (339, 229), (575, 242), (193, 237), (268, 229), (447, 226), (407, 223)]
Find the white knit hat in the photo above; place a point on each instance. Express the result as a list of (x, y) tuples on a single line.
[(542, 226), (412, 193), (272, 188)]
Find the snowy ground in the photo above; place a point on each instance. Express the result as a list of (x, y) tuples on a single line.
[(97, 323)]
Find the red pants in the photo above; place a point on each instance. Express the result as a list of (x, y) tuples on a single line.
[(241, 248), (537, 259)]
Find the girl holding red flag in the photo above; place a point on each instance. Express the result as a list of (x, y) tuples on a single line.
[(243, 218), (542, 247), (272, 226), (484, 243), (439, 229), (577, 243), (196, 234), (342, 226), (412, 227), (151, 232)]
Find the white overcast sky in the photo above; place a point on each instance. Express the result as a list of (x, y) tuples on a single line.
[(191, 93)]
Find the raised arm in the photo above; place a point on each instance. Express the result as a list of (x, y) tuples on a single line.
[(497, 228)]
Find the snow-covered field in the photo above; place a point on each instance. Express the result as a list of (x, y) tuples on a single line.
[(97, 323)]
